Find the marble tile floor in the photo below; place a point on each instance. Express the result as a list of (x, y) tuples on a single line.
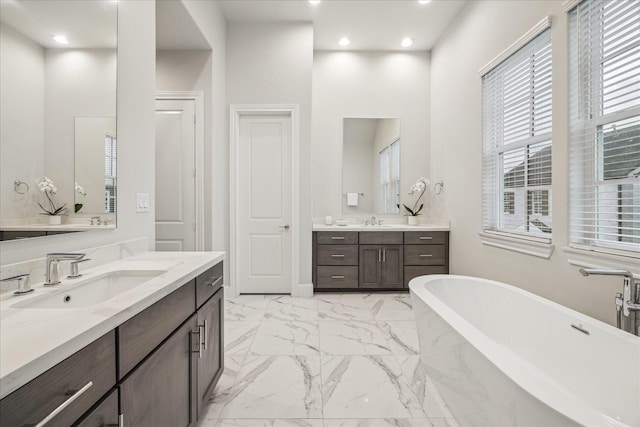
[(334, 360)]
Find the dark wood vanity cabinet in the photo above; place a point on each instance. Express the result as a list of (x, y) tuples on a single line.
[(158, 392), (336, 260), (381, 255), (381, 266), (377, 260), (86, 375), (426, 252), (210, 357), (169, 358)]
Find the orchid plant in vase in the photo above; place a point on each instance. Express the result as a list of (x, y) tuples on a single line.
[(420, 186), (47, 186)]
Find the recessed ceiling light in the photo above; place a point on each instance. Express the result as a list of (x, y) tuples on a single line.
[(314, 1), (62, 39), (344, 41), (406, 42), (424, 1)]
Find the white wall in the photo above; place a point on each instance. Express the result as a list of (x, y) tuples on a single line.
[(22, 125), (136, 134), (212, 25), (480, 32), (367, 84), (273, 64)]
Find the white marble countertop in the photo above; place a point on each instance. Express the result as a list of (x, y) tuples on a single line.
[(61, 227), (32, 340), (383, 227)]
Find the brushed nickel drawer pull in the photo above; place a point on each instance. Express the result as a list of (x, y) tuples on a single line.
[(379, 255), (384, 255), (426, 255), (337, 237), (206, 333), (337, 256), (426, 238), (337, 277), (215, 281), (76, 394)]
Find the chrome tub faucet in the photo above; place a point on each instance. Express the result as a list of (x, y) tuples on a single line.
[(627, 302), (52, 273)]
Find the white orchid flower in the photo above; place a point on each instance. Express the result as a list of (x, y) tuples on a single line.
[(47, 186), (419, 187)]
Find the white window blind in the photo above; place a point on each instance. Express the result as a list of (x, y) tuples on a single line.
[(110, 173), (384, 177), (517, 141), (604, 148), (390, 177)]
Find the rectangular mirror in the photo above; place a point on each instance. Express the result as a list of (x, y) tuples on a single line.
[(57, 87), (370, 166)]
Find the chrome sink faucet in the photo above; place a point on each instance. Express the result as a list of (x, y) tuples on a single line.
[(627, 302), (52, 273)]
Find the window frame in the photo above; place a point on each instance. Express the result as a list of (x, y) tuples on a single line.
[(496, 148), (590, 118)]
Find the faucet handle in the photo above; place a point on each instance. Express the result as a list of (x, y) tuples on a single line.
[(23, 283), (74, 273)]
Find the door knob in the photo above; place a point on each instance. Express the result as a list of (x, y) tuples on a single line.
[(286, 226)]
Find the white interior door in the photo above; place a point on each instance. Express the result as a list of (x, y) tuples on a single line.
[(264, 240), (175, 175)]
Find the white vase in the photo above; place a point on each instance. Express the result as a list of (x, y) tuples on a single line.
[(55, 220), (412, 220)]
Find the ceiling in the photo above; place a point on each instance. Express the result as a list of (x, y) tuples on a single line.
[(87, 24), (370, 25)]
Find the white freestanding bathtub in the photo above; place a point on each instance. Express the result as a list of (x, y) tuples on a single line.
[(501, 356)]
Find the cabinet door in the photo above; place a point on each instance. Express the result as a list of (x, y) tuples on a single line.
[(158, 392), (210, 358), (392, 267), (370, 266), (381, 266)]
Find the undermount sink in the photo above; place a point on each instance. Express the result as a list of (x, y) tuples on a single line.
[(91, 291)]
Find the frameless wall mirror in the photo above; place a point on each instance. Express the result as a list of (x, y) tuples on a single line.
[(58, 116), (370, 166)]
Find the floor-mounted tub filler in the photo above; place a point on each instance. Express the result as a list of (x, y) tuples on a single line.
[(501, 356)]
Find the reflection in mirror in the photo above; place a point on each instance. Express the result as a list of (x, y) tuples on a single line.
[(371, 166), (95, 150), (47, 83)]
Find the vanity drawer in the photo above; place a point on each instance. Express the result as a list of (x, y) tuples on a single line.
[(411, 272), (138, 336), (337, 277), (337, 254), (424, 255), (381, 237), (425, 237), (208, 283), (30, 404), (337, 237)]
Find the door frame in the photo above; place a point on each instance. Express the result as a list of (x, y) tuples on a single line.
[(198, 98), (236, 112)]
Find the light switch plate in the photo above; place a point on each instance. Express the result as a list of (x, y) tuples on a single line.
[(142, 202)]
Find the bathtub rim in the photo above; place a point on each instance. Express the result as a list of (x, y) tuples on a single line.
[(522, 373)]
